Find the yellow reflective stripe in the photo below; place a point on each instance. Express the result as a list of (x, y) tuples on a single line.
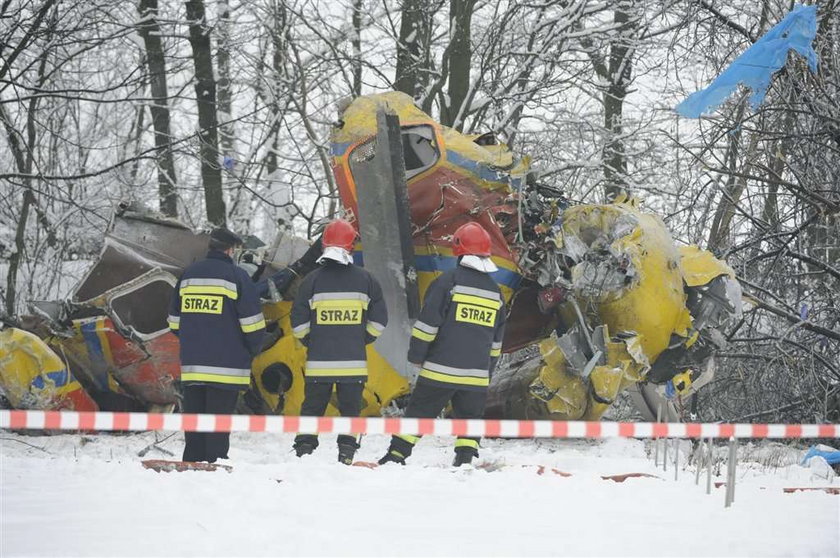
[(495, 352), (208, 289), (449, 379), (253, 327), (477, 300), (174, 325), (408, 438), (398, 454), (301, 333), (339, 303), (422, 335), (466, 443), (336, 372), (217, 378), (373, 331)]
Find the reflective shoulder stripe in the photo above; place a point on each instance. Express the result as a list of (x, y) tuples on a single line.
[(209, 289), (408, 438), (353, 303), (422, 335), (475, 291), (466, 443), (477, 300), (375, 328), (346, 295), (301, 331), (252, 323)]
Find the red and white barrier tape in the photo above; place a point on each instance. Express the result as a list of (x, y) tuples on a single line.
[(70, 420)]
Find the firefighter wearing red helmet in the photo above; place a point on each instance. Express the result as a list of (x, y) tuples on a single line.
[(456, 342), (338, 310)]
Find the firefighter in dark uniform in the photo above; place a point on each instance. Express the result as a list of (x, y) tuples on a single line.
[(456, 342), (216, 313), (338, 310)]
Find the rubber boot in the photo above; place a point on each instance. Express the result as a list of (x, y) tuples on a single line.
[(305, 444), (392, 456), (346, 453), (464, 456)]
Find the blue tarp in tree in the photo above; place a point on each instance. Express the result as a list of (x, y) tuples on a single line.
[(756, 66)]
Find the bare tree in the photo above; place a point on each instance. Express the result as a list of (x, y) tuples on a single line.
[(150, 32), (205, 95)]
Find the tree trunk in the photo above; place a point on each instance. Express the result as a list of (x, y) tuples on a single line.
[(205, 94), (227, 131), (619, 76), (150, 33), (410, 49), (358, 6), (460, 59)]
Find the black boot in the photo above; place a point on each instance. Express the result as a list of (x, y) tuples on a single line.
[(302, 448), (305, 444), (347, 446), (464, 456), (392, 456), (346, 453)]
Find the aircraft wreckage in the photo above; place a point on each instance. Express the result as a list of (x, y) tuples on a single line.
[(600, 298)]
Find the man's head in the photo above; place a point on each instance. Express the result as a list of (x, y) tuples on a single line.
[(471, 240), (224, 240), (338, 241), (339, 233)]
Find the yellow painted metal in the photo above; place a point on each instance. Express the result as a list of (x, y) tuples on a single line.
[(32, 375), (700, 267), (652, 306), (384, 384)]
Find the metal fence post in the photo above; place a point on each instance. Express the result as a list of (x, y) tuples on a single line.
[(731, 464), (709, 466)]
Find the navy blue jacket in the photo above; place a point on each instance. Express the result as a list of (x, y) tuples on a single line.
[(337, 311), (457, 338), (216, 313)]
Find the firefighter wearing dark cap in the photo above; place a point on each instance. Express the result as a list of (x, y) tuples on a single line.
[(455, 343), (338, 310), (215, 311)]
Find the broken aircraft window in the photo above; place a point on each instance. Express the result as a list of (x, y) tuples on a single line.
[(419, 149), (144, 309)]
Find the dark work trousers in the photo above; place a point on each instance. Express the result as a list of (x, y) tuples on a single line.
[(205, 398), (316, 397), (427, 401)]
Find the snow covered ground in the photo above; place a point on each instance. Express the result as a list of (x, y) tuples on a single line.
[(74, 495)]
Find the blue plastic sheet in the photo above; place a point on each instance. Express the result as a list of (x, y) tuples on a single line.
[(756, 66), (832, 457)]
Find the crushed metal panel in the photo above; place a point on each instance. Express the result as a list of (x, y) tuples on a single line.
[(136, 243), (385, 227)]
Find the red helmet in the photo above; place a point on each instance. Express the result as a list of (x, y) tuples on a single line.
[(339, 233), (471, 239)]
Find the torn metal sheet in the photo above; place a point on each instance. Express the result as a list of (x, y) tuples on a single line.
[(600, 298)]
